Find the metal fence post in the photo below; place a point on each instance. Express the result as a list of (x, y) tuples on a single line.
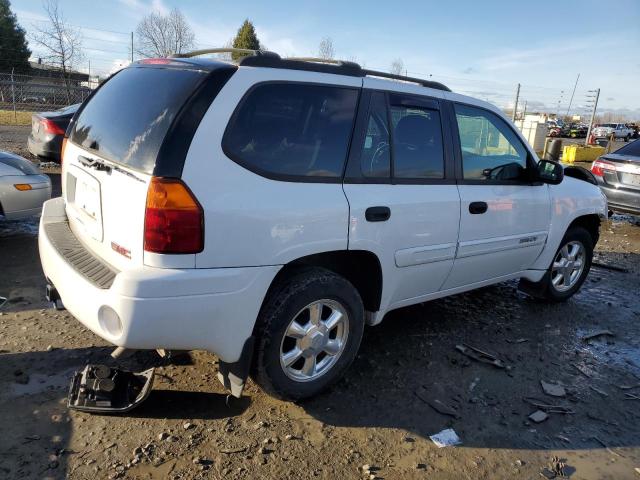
[(13, 98)]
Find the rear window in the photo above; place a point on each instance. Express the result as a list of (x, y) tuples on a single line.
[(289, 129), (128, 117), (632, 149)]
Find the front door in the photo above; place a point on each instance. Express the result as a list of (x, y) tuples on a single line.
[(404, 204), (504, 216)]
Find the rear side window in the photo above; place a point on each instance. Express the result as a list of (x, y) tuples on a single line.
[(632, 149), (128, 117), (290, 129)]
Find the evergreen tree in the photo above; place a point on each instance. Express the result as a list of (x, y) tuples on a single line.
[(245, 38), (13, 45)]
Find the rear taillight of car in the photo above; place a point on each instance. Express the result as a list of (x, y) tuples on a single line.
[(599, 166), (174, 220), (49, 126)]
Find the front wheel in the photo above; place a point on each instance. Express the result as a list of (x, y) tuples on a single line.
[(310, 329), (568, 270), (626, 139)]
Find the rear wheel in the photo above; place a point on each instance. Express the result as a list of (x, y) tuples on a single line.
[(310, 326), (626, 139), (568, 270)]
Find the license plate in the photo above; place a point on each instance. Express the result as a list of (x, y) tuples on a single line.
[(88, 197), (633, 180)]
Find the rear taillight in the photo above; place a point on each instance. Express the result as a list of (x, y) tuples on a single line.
[(599, 166), (50, 126), (174, 220)]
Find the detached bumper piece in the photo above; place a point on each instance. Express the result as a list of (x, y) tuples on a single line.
[(103, 389)]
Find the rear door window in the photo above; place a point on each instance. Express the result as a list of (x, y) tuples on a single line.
[(128, 117), (292, 130)]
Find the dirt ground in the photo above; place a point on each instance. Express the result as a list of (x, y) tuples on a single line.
[(378, 416)]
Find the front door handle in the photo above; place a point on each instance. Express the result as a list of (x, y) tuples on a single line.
[(377, 214), (476, 208)]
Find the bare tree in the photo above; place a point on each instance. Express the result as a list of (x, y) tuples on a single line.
[(325, 49), (164, 35), (397, 67), (61, 44)]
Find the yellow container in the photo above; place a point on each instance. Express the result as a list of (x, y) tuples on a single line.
[(581, 153)]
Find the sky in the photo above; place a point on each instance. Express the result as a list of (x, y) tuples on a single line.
[(479, 48)]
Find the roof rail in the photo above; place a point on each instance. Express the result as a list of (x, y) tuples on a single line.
[(267, 59), (246, 51)]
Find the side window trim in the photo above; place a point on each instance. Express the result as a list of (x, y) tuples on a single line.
[(457, 149), (353, 174), (290, 177)]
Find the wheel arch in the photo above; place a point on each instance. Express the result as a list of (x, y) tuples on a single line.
[(591, 223)]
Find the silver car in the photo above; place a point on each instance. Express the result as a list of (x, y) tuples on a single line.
[(23, 188)]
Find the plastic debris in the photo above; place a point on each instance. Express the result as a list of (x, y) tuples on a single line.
[(553, 389), (541, 405), (479, 355), (436, 404), (3, 300), (446, 438), (597, 334)]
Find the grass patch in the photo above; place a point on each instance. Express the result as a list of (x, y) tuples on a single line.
[(7, 117)]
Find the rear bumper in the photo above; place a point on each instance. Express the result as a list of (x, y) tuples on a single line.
[(49, 149), (181, 309), (621, 200)]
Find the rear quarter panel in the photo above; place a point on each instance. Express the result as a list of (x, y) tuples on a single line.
[(251, 220), (570, 199)]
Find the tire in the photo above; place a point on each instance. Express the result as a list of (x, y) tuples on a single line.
[(626, 139), (549, 291), (293, 301)]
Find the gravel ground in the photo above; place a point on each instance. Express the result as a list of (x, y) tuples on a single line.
[(378, 417)]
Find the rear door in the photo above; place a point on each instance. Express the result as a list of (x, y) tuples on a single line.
[(404, 204), (504, 217), (112, 153)]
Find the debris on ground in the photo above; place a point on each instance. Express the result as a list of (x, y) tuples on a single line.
[(598, 333), (609, 266), (445, 438), (553, 389), (436, 404), (538, 416), (518, 340), (607, 447), (541, 405), (631, 396), (479, 355), (3, 300), (629, 387), (555, 469), (597, 390)]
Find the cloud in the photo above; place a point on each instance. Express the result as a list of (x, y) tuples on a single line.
[(138, 8)]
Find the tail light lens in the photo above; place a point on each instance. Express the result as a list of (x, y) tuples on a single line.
[(174, 220), (599, 166), (50, 126)]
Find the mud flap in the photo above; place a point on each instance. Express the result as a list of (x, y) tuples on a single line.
[(103, 389), (234, 375)]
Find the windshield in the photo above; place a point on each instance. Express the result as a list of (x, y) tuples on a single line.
[(128, 117)]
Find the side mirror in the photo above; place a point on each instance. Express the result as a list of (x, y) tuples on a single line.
[(550, 172)]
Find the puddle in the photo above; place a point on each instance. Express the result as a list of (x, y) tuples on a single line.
[(610, 350), (27, 226)]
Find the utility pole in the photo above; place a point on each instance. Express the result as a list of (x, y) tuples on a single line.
[(593, 115), (89, 73), (572, 94), (131, 47), (515, 104), (524, 113)]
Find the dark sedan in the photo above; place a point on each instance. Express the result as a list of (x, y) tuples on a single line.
[(618, 175), (47, 131)]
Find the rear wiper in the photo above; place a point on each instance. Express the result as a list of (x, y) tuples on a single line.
[(95, 163)]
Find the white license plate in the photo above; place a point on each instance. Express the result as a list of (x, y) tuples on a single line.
[(634, 180), (88, 197)]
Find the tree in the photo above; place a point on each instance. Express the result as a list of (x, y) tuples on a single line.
[(325, 49), (245, 38), (61, 43), (397, 67), (14, 54), (164, 35)]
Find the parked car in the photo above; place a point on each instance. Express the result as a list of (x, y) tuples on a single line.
[(34, 99), (47, 131), (575, 130), (618, 175), (23, 188), (268, 210), (554, 132), (618, 130)]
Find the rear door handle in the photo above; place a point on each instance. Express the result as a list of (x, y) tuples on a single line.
[(476, 208), (377, 214)]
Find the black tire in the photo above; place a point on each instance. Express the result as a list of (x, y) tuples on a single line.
[(545, 289), (284, 302), (626, 139)]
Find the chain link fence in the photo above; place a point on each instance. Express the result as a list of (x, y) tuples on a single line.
[(36, 93)]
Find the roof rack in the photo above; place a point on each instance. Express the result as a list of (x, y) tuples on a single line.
[(246, 51), (267, 59)]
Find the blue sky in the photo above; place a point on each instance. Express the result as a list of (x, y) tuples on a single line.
[(481, 48)]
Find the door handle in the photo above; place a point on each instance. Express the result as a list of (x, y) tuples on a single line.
[(377, 214), (476, 208)]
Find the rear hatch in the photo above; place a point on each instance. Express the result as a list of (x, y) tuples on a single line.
[(138, 124)]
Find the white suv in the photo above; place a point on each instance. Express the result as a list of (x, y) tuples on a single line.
[(618, 130), (267, 211)]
